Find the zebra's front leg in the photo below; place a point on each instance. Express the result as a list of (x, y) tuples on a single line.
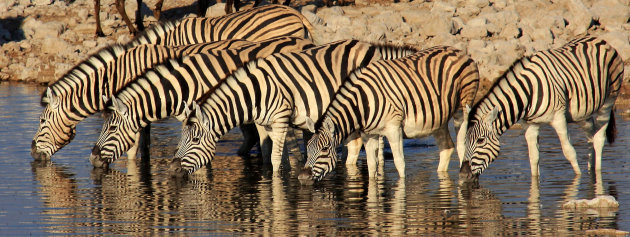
[(462, 127), (353, 147), (133, 150), (588, 127), (371, 150), (531, 135), (265, 143), (559, 123), (395, 138), (446, 146), (278, 135)]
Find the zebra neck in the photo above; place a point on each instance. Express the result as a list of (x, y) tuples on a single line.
[(511, 95), (228, 106)]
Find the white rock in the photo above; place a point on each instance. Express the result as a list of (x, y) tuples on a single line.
[(37, 29), (89, 43), (619, 41), (611, 14), (438, 24), (440, 7), (474, 32), (218, 9), (578, 16), (42, 2), (598, 202), (54, 46)]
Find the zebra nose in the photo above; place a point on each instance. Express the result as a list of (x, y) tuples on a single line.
[(306, 176), (96, 151), (465, 173), (33, 147)]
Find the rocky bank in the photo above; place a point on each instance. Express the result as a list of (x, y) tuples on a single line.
[(41, 39)]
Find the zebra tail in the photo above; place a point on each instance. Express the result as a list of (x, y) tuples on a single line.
[(611, 130), (308, 27)]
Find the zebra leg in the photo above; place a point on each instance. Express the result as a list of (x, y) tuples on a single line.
[(265, 143), (278, 135), (395, 138), (354, 147), (559, 123), (144, 142), (588, 127), (133, 150), (445, 144), (461, 124), (139, 22), (97, 15), (371, 148), (601, 125), (531, 135), (120, 5), (250, 135)]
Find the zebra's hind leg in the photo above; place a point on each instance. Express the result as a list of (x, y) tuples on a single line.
[(531, 135), (250, 135), (446, 146), (603, 120), (588, 127), (559, 123), (265, 144)]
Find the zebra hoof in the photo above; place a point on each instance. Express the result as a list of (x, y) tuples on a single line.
[(175, 169), (306, 177)]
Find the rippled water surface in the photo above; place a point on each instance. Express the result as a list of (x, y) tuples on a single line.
[(239, 196)]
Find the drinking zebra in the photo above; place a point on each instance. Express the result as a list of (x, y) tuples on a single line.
[(413, 96), (255, 24), (578, 82), (78, 94), (162, 91), (274, 92)]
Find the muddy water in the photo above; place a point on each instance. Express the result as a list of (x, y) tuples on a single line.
[(239, 196)]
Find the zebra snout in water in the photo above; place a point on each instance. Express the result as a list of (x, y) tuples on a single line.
[(96, 159), (36, 154), (306, 177), (175, 169), (465, 173)]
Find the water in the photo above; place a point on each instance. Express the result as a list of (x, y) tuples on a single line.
[(239, 196)]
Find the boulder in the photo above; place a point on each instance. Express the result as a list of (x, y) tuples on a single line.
[(438, 24), (611, 14), (578, 16), (619, 41), (54, 46), (36, 29)]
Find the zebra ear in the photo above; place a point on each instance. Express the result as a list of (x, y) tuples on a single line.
[(203, 120), (119, 106), (329, 125), (51, 99), (490, 117), (310, 125)]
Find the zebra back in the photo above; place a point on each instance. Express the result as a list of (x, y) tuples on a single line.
[(255, 24)]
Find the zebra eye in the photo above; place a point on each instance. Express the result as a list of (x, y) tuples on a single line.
[(195, 140), (42, 120), (481, 141), (112, 128)]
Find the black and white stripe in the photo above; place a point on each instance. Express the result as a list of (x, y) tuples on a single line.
[(413, 96), (578, 82), (79, 93), (256, 24), (274, 92), (162, 92)]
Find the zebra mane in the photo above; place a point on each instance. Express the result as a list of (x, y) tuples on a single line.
[(81, 70), (154, 34)]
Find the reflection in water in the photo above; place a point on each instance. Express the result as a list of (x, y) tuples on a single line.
[(237, 195)]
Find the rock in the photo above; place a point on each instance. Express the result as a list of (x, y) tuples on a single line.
[(438, 24), (313, 18), (42, 2), (25, 45), (89, 43), (619, 41), (598, 202), (36, 29), (610, 14), (54, 46), (441, 7), (474, 32), (218, 9), (578, 16)]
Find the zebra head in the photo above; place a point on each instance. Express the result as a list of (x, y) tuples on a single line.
[(321, 152), (482, 144), (197, 144), (53, 133), (119, 132)]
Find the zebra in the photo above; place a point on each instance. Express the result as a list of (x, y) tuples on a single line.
[(255, 24), (273, 92), (413, 96), (78, 93), (161, 92), (577, 82)]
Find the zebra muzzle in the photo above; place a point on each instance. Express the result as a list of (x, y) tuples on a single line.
[(96, 159), (465, 173), (38, 155), (306, 176)]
